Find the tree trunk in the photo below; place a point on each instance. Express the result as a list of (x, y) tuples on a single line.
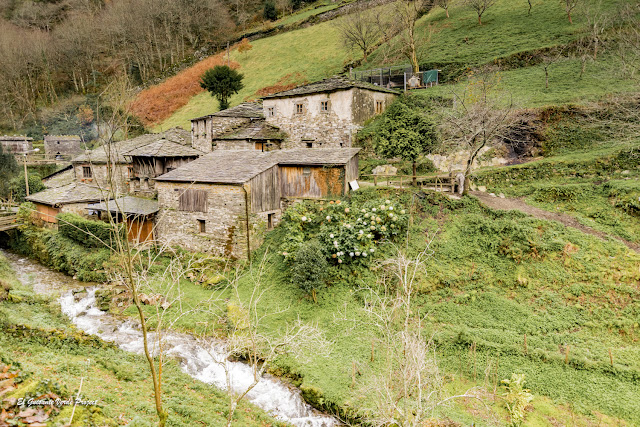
[(415, 179), (480, 19), (569, 15), (546, 78), (447, 10)]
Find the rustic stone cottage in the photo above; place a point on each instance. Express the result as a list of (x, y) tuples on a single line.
[(137, 213), (16, 144), (62, 145), (212, 204), (155, 159), (206, 130), (73, 198), (257, 135), (325, 114), (92, 167)]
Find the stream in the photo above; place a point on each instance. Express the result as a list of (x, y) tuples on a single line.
[(196, 358)]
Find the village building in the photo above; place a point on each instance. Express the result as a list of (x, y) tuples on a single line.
[(138, 215), (16, 144), (57, 146), (71, 198), (107, 165), (212, 204), (325, 114), (207, 130), (155, 159), (257, 135)]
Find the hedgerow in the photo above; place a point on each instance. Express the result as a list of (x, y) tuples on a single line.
[(88, 232)]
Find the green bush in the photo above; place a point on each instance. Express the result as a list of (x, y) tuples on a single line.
[(309, 270), (86, 231)]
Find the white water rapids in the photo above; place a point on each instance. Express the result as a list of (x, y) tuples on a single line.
[(196, 358)]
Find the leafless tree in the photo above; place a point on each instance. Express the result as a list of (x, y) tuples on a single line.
[(480, 6), (530, 7), (444, 4), (360, 30), (481, 113), (248, 338), (627, 32), (405, 16), (569, 6), (410, 387), (548, 59)]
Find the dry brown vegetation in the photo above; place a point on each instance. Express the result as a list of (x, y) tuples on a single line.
[(158, 102)]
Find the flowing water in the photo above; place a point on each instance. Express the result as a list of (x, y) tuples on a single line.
[(197, 359)]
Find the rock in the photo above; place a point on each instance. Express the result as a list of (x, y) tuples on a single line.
[(385, 170), (626, 172), (482, 188), (492, 194), (501, 195)]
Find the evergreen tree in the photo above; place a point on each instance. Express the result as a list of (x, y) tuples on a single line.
[(270, 12), (8, 170), (222, 82)]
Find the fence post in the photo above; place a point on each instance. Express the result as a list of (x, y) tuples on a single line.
[(375, 180), (400, 181)]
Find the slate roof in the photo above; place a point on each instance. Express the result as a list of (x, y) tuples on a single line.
[(249, 110), (128, 205), (15, 138), (118, 149), (331, 84), (164, 148), (70, 193), (59, 178), (257, 129), (239, 166)]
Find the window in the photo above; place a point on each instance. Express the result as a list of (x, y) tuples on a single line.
[(271, 111), (299, 108), (306, 171), (86, 172), (309, 144), (192, 201), (131, 173), (324, 106), (202, 224), (270, 221), (379, 107)]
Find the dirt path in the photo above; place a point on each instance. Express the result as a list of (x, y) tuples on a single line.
[(567, 220)]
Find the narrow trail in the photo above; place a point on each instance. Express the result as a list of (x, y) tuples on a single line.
[(567, 220)]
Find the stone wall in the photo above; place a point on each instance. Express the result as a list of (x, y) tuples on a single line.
[(364, 104), (16, 144), (99, 175), (65, 145), (206, 129)]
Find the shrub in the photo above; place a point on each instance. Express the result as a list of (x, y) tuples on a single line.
[(86, 231), (309, 269)]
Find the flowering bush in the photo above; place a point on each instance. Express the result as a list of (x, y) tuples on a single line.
[(348, 232)]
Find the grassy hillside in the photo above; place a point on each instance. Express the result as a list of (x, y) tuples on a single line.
[(508, 37)]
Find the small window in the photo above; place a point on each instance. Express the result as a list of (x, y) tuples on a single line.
[(299, 108), (86, 172), (379, 107), (192, 201), (324, 106), (271, 111), (270, 221), (309, 144), (58, 142), (131, 173), (306, 171), (202, 225)]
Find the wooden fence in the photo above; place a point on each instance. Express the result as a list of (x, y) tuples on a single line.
[(42, 159), (426, 182), (8, 215)]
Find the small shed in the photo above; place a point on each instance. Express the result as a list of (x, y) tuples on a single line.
[(56, 146), (137, 213), (256, 135), (72, 198), (16, 144), (207, 128), (155, 159)]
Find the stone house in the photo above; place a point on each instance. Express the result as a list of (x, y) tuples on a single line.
[(16, 144), (325, 114), (73, 198), (62, 145), (155, 159), (212, 204), (92, 167), (206, 129), (137, 213), (257, 135)]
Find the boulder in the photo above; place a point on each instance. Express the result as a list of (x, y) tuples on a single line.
[(385, 170)]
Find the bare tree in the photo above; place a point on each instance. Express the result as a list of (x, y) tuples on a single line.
[(481, 113), (444, 4), (480, 6), (248, 338), (569, 6), (627, 32), (360, 30), (549, 59), (530, 7), (403, 25), (410, 387)]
